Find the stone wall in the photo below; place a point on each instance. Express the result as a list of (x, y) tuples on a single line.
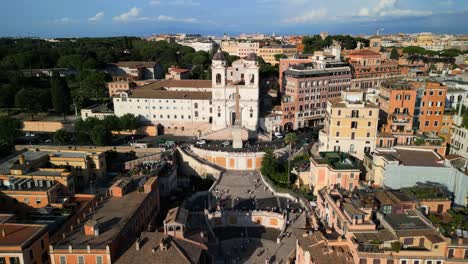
[(231, 160), (247, 219), (193, 166)]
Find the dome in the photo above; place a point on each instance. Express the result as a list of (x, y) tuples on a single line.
[(219, 56), (251, 57)]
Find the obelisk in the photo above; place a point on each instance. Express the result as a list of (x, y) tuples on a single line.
[(236, 128)]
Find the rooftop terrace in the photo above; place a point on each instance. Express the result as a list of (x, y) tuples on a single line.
[(337, 160)]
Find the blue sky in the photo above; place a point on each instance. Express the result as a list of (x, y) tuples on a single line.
[(70, 18)]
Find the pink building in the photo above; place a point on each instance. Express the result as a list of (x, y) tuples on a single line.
[(344, 212), (333, 170)]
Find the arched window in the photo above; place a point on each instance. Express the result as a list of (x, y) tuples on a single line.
[(196, 113), (124, 97), (252, 79), (218, 78), (407, 97), (195, 105), (398, 97)]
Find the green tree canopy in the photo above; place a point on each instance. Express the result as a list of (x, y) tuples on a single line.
[(61, 137), (33, 100), (129, 122), (9, 129), (60, 94), (394, 54)]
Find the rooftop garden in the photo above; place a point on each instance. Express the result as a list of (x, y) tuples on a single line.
[(338, 160), (448, 224), (425, 192)]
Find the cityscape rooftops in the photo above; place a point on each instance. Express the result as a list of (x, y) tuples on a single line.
[(163, 94), (157, 247), (177, 215), (24, 184), (397, 85), (410, 220), (337, 160), (110, 217), (322, 250), (161, 84), (18, 235), (416, 157), (364, 52)]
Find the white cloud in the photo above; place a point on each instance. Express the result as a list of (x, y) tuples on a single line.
[(132, 14), (63, 20), (364, 12), (155, 2), (405, 12), (388, 8), (173, 19), (184, 2), (96, 17), (384, 4), (307, 17)]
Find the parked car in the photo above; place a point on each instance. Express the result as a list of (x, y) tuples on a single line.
[(278, 135), (226, 143), (200, 142)]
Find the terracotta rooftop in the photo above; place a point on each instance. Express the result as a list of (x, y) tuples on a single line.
[(163, 94), (178, 251), (112, 214), (17, 235), (179, 70), (178, 215), (413, 157), (363, 52), (322, 251), (176, 83)]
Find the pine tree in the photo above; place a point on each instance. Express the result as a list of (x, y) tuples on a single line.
[(60, 94), (394, 54)]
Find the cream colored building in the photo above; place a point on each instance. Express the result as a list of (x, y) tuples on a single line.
[(268, 52), (198, 107), (231, 47), (350, 125)]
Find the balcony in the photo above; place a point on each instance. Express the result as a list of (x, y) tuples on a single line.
[(401, 119)]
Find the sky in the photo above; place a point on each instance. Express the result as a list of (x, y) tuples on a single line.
[(100, 18)]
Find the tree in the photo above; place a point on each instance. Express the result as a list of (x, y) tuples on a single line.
[(413, 50), (290, 139), (269, 166), (9, 131), (33, 100), (7, 95), (394, 54), (129, 122), (60, 94), (99, 135), (61, 137), (112, 123), (93, 84)]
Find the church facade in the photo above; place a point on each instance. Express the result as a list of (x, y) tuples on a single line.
[(198, 107)]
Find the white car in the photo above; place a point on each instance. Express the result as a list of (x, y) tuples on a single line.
[(278, 135), (225, 143), (200, 142)]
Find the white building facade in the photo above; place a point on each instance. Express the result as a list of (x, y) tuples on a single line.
[(193, 107), (242, 78)]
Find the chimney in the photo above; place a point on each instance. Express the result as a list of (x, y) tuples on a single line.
[(137, 244), (163, 244), (21, 159), (92, 228)]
